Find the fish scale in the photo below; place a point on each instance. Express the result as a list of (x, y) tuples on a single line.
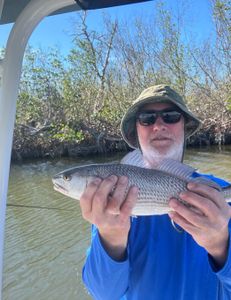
[(156, 186)]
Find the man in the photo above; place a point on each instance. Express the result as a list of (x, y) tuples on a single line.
[(145, 257)]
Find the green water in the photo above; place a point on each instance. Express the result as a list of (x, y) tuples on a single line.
[(45, 247)]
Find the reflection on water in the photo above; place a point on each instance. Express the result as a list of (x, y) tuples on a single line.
[(45, 247)]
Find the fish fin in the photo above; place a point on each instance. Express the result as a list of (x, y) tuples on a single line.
[(177, 168), (207, 181)]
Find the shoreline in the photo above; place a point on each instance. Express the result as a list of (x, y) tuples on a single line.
[(41, 147)]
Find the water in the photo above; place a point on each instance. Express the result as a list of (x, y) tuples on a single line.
[(45, 247)]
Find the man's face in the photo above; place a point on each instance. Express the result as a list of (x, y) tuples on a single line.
[(161, 140)]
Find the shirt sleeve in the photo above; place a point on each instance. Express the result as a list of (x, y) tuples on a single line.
[(223, 183), (104, 277), (224, 274)]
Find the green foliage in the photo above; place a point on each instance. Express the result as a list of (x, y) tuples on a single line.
[(68, 134), (28, 109), (105, 70)]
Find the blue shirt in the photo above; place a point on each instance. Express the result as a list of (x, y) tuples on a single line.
[(161, 264)]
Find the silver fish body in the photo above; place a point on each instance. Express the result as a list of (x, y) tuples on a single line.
[(156, 186)]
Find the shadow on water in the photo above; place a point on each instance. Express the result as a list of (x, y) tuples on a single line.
[(45, 248)]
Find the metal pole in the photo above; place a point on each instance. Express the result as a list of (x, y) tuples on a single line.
[(10, 73)]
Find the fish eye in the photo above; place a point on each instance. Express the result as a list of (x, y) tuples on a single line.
[(66, 177)]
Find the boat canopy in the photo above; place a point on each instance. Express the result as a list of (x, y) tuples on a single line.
[(11, 9)]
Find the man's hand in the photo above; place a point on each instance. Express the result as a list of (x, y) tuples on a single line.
[(207, 220), (106, 204)]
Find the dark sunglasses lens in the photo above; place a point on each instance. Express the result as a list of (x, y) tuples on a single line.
[(171, 117), (147, 119)]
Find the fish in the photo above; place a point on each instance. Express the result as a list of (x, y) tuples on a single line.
[(156, 186)]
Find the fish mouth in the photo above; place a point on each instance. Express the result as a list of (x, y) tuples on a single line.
[(59, 188)]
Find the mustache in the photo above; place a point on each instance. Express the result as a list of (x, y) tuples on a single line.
[(160, 136)]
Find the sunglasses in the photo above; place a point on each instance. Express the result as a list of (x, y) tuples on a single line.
[(149, 117)]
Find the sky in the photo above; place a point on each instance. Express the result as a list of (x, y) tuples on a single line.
[(54, 31)]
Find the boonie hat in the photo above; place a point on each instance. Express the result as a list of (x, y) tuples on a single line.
[(156, 94)]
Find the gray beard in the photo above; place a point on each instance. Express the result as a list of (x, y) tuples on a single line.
[(153, 158)]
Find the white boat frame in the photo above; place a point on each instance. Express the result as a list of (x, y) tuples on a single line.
[(10, 72)]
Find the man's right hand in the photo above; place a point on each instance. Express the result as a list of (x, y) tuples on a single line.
[(110, 211)]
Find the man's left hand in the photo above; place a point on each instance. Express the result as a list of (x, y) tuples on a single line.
[(206, 219)]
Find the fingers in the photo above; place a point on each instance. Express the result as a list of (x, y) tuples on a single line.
[(87, 197), (108, 198), (207, 192), (199, 203), (100, 198), (126, 208), (207, 207), (118, 196), (194, 217), (204, 199), (183, 222), (205, 218)]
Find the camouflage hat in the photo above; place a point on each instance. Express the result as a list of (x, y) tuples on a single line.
[(156, 94)]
